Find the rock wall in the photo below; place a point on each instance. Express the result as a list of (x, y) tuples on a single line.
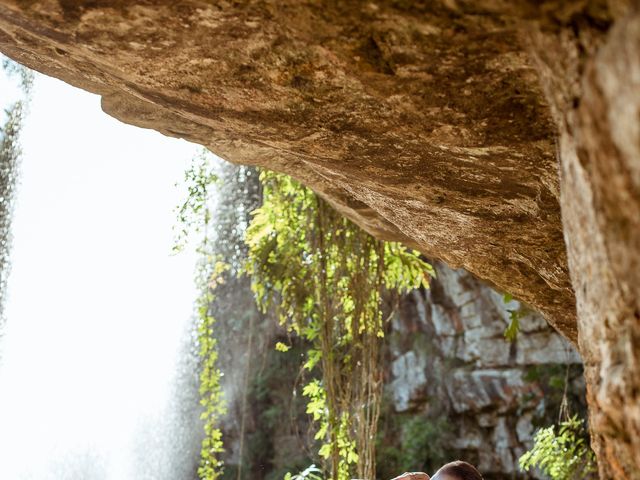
[(442, 124), (449, 358), (599, 147), (423, 121), (449, 368)]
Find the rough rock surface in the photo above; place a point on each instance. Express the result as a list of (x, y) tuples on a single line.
[(599, 149), (423, 121), (448, 364), (448, 350), (437, 123)]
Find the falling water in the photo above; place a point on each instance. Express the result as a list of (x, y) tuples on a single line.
[(97, 378)]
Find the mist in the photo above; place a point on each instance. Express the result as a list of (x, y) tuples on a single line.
[(97, 373)]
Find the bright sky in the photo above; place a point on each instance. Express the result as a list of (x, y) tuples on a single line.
[(97, 303)]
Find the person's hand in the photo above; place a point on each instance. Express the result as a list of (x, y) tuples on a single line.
[(412, 476)]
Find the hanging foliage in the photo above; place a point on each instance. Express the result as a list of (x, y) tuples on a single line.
[(210, 392), (194, 219), (325, 278), (563, 453), (194, 213)]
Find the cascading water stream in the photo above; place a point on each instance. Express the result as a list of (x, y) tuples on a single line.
[(97, 380)]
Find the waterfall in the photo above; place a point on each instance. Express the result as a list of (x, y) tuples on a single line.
[(98, 376)]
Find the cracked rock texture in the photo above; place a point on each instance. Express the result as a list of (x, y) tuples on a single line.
[(443, 124), (420, 122), (447, 368), (449, 359)]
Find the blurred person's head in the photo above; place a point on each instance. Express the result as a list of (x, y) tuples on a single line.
[(457, 470)]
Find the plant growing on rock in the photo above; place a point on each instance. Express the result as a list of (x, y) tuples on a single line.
[(325, 278), (194, 218), (511, 332), (564, 454)]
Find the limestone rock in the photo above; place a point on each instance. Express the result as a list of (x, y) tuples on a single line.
[(597, 107), (442, 124), (449, 350), (409, 379), (422, 121)]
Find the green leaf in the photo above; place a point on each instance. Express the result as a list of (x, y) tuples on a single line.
[(511, 332)]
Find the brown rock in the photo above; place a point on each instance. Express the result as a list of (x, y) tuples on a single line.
[(423, 121), (600, 157)]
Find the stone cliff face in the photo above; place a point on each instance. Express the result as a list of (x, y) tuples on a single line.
[(448, 368), (449, 354), (422, 123), (442, 124)]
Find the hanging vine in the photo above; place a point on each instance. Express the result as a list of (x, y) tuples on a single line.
[(325, 279), (194, 219)]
